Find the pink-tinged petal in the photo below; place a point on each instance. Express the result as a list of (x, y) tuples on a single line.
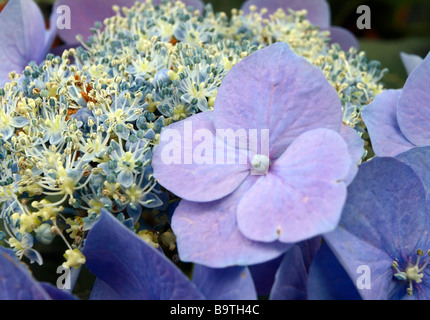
[(413, 109), (355, 148), (303, 193), (271, 82), (345, 38), (381, 122), (410, 61), (187, 161), (207, 233), (22, 37), (318, 10)]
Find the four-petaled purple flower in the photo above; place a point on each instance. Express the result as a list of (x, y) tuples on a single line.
[(383, 239), (253, 204)]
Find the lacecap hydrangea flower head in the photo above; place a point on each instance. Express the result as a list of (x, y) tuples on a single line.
[(79, 130)]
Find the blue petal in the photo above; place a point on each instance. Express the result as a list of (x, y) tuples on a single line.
[(16, 282), (56, 294), (22, 37), (234, 283), (56, 138), (380, 117), (328, 280), (345, 38), (125, 178), (102, 291), (19, 121), (131, 267), (264, 275), (410, 61), (419, 160), (134, 211), (291, 277), (385, 218), (150, 200)]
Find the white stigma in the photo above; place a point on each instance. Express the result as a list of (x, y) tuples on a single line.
[(260, 164)]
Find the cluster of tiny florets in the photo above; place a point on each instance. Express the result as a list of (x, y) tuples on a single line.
[(77, 131)]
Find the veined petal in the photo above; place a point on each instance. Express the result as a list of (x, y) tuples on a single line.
[(328, 280), (385, 219), (292, 275), (381, 120), (125, 178), (410, 61), (102, 291), (264, 275), (271, 82), (303, 193), (419, 160), (131, 267), (207, 233), (413, 109), (16, 282), (190, 155), (22, 37), (234, 283), (355, 148), (18, 122)]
